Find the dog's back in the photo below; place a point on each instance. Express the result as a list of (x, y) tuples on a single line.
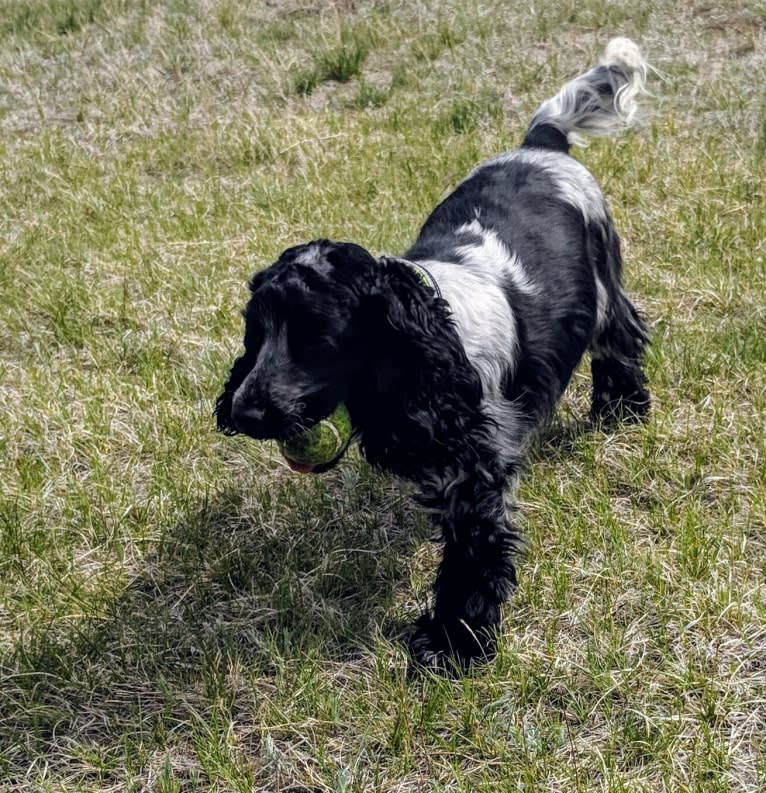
[(524, 249)]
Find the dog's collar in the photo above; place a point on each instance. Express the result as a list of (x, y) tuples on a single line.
[(425, 276), (423, 273)]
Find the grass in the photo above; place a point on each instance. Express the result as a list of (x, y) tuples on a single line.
[(339, 63), (177, 611)]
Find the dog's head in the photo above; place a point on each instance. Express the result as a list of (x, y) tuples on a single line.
[(302, 341), (328, 323)]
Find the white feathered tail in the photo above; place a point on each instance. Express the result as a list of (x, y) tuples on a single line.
[(599, 103)]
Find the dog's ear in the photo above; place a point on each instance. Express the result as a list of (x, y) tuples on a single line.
[(419, 384), (222, 413), (417, 353), (242, 365), (408, 314)]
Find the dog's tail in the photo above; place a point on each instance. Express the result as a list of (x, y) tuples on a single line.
[(598, 103)]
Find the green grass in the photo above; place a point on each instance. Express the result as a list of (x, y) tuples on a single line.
[(180, 613), (338, 63)]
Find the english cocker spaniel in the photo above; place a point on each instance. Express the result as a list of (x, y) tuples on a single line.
[(449, 356)]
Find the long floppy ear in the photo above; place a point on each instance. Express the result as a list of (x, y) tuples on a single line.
[(420, 337), (421, 386)]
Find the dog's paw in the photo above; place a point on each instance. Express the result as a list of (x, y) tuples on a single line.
[(619, 394), (608, 410), (450, 647)]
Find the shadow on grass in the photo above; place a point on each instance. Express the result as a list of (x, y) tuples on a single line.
[(255, 590), (261, 581), (559, 438)]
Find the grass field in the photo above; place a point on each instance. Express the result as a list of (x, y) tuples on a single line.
[(178, 612)]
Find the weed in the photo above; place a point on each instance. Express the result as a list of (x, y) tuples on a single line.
[(370, 95)]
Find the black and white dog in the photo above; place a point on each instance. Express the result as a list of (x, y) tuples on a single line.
[(451, 355)]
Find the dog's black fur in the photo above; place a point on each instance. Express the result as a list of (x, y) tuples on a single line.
[(445, 391)]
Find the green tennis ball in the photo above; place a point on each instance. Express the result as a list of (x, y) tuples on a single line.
[(323, 443)]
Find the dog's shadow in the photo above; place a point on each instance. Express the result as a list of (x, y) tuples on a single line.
[(559, 438), (273, 570), (267, 572), (279, 568)]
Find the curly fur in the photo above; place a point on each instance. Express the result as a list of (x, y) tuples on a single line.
[(445, 388)]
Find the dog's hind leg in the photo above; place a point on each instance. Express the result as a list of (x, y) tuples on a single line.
[(619, 382)]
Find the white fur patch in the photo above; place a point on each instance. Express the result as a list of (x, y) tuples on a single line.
[(310, 255), (482, 315), (585, 108), (313, 256), (494, 253)]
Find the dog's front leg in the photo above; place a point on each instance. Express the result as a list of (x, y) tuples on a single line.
[(475, 576)]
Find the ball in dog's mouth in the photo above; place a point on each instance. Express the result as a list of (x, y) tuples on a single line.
[(318, 448)]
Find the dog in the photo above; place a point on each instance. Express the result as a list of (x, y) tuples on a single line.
[(450, 356)]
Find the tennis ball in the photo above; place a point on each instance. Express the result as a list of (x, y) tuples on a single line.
[(321, 444)]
